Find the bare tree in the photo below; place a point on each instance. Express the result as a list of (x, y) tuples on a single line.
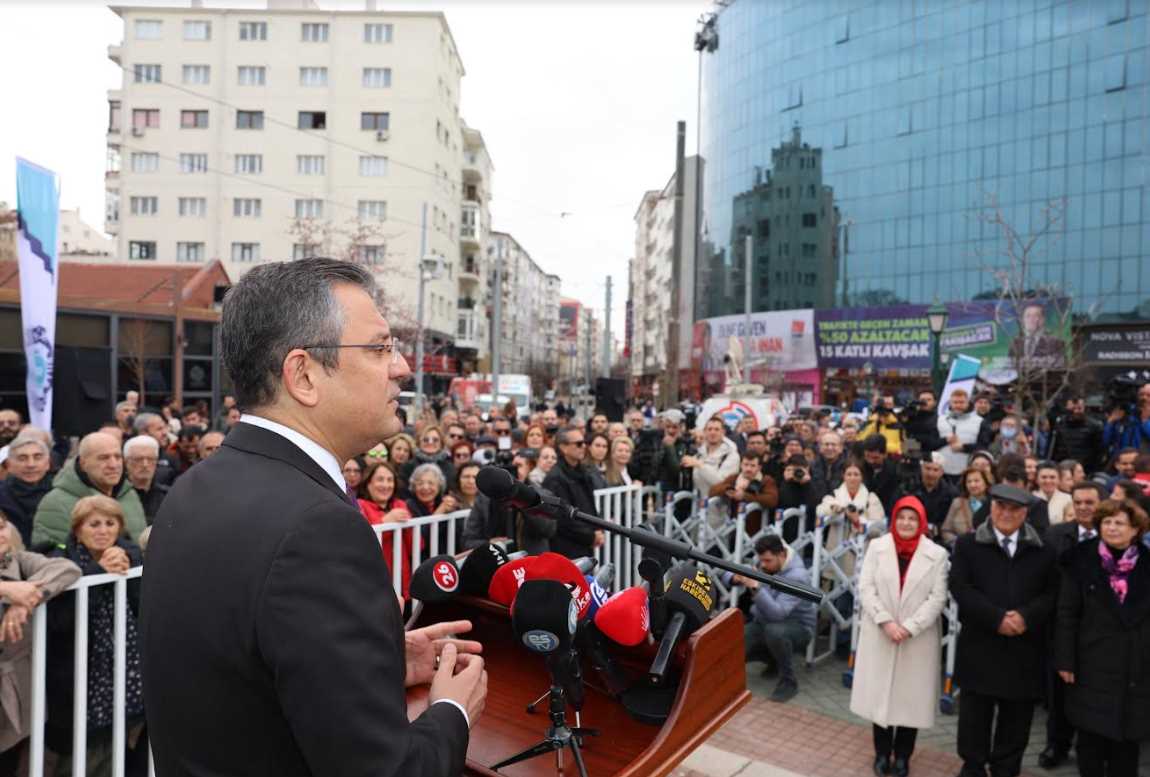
[(1045, 365), (140, 340)]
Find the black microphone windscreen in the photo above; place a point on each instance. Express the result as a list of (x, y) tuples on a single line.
[(435, 580), (544, 616), (690, 591), (479, 567), (495, 483)]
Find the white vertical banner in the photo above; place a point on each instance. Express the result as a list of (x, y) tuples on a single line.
[(38, 222), (963, 371)]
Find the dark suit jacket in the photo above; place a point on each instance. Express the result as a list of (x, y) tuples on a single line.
[(272, 641)]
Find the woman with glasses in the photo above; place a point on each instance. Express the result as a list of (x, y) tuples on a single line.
[(353, 472), (461, 453), (429, 496), (380, 503), (431, 450)]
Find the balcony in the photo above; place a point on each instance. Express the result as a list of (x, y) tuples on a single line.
[(472, 172), (116, 53), (469, 226), (469, 332), (470, 271)]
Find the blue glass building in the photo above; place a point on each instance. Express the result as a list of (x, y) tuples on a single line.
[(920, 114)]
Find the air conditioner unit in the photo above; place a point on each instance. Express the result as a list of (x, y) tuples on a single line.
[(382, 135), (137, 132)]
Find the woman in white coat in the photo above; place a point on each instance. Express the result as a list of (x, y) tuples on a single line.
[(860, 510), (897, 665)]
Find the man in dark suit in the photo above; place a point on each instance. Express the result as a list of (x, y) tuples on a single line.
[(1003, 577), (1062, 537), (272, 640)]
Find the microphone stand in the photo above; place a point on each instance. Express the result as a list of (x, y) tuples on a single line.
[(554, 507)]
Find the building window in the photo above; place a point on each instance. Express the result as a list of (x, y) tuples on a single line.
[(374, 121), (252, 75), (113, 115), (247, 207), (142, 249), (250, 120), (809, 250), (245, 252), (372, 210), (310, 164), (193, 119), (1117, 11), (197, 30), (843, 29), (149, 29), (794, 97), (377, 33), (1115, 73), (309, 209), (189, 252), (111, 206), (303, 250), (145, 162), (840, 137), (373, 166), (144, 206), (193, 163), (371, 255), (904, 122), (197, 74), (313, 76), (194, 207), (376, 77), (253, 30), (810, 220), (313, 33), (148, 74), (315, 120), (249, 164)]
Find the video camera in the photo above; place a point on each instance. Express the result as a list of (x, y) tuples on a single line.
[(909, 468)]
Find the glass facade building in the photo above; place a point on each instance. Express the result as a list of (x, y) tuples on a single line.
[(866, 146)]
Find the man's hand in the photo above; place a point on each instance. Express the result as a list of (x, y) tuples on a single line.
[(954, 442), (1012, 624), (115, 561), (600, 538), (12, 626), (1018, 621), (468, 687), (746, 581), (1067, 677), (690, 461), (423, 646), (1116, 415), (22, 593)]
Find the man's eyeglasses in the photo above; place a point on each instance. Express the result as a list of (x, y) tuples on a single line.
[(576, 443), (455, 435), (392, 346), (502, 432), (380, 454), (430, 441)]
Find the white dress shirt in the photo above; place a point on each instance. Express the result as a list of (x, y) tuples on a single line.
[(1085, 534), (331, 465), (1013, 541), (316, 452)]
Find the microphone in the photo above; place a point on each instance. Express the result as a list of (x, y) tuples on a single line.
[(507, 579), (555, 566), (605, 577), (435, 580), (625, 618), (544, 617), (599, 595), (499, 485), (479, 567), (586, 564), (689, 599)]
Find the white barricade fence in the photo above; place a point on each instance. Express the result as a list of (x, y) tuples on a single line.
[(622, 505), (413, 530), (81, 590)]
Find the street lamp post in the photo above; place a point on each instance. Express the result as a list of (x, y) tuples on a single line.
[(936, 316), (428, 270)]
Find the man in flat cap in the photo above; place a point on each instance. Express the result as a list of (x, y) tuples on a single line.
[(1004, 578)]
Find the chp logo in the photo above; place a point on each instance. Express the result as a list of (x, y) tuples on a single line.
[(445, 577), (735, 412)]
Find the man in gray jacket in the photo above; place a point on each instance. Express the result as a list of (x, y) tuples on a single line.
[(781, 624)]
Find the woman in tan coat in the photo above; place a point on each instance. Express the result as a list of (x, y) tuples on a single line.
[(26, 581), (897, 666)]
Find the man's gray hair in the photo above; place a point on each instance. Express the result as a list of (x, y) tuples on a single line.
[(142, 441), (277, 307), (125, 405), (28, 430), (563, 436), (140, 425), (24, 440), (432, 470)]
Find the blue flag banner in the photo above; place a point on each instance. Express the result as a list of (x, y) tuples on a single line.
[(963, 371), (38, 224)]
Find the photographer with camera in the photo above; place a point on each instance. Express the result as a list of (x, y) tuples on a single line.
[(884, 422), (748, 485), (1128, 425), (920, 421)]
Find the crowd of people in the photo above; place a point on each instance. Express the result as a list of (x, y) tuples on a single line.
[(1038, 533)]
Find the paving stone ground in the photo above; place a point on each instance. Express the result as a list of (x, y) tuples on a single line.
[(816, 735)]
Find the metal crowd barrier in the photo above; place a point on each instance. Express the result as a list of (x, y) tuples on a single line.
[(414, 528)]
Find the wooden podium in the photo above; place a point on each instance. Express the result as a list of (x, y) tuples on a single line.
[(712, 687)]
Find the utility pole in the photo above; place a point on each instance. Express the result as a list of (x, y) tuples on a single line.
[(607, 333), (418, 403), (590, 349), (749, 265), (671, 384), (497, 324)]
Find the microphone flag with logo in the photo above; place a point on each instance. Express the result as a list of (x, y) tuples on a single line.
[(507, 579), (479, 567), (625, 618), (435, 580), (555, 566)]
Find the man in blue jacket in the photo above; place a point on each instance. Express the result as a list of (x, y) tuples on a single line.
[(781, 624)]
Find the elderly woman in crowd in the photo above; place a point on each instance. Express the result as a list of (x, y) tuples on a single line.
[(975, 489), (546, 461), (618, 458), (903, 590), (1011, 438), (98, 545), (26, 581), (28, 481), (1058, 503), (1102, 640), (429, 496), (380, 504)]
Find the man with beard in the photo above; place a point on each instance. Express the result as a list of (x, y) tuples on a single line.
[(28, 482), (10, 422)]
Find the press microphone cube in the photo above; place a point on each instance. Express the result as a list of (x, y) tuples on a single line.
[(691, 591), (625, 618), (555, 566), (545, 617), (479, 567), (435, 580), (507, 579)]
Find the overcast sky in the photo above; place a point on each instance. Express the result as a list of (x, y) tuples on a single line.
[(577, 103)]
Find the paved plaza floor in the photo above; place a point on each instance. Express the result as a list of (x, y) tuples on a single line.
[(816, 735)]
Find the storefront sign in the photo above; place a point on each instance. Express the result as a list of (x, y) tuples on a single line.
[(1114, 346)]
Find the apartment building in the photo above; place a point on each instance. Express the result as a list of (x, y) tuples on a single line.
[(580, 345), (472, 341), (529, 310), (270, 134)]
